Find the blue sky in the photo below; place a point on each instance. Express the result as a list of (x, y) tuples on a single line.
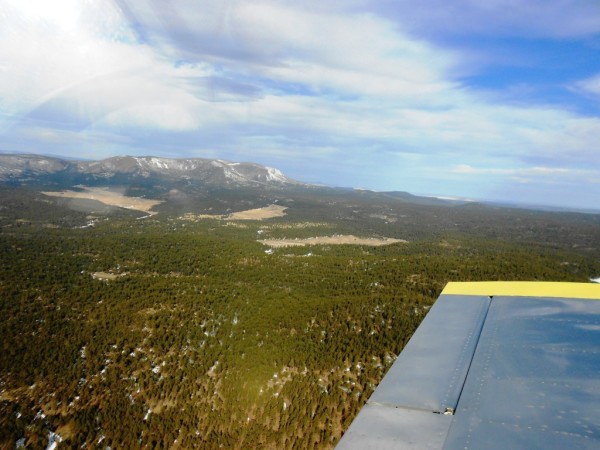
[(479, 99)]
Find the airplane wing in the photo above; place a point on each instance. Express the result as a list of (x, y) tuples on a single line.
[(494, 365)]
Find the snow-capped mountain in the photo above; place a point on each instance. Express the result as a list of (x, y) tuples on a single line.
[(212, 173)]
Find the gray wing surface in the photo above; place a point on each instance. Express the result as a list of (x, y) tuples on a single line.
[(491, 372)]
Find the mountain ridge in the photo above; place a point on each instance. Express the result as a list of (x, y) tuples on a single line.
[(21, 168), (156, 177)]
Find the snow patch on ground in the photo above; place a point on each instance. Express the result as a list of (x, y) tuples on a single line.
[(232, 174), (275, 175), (160, 163), (53, 440), (595, 280)]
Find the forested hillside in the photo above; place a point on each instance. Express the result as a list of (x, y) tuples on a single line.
[(171, 332)]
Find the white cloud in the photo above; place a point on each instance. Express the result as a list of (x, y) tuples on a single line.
[(63, 15), (76, 74), (324, 49), (588, 86), (550, 175), (364, 77), (467, 169)]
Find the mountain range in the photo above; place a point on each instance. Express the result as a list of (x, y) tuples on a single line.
[(29, 185), (211, 173), (178, 178)]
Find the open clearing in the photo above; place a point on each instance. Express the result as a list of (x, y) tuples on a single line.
[(111, 198), (104, 276), (331, 240), (267, 212)]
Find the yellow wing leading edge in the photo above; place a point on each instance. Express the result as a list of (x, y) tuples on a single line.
[(525, 289)]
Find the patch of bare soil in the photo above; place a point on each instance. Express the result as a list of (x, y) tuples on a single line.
[(268, 212), (195, 217), (104, 276), (108, 197), (330, 240)]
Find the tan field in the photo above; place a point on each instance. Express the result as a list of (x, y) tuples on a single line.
[(330, 240), (112, 198), (104, 276), (268, 212)]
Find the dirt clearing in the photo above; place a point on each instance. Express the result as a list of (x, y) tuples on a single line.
[(330, 240), (112, 198), (104, 276), (268, 212)]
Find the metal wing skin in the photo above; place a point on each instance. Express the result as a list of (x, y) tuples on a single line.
[(493, 366)]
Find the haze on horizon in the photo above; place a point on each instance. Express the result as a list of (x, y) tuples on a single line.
[(495, 100)]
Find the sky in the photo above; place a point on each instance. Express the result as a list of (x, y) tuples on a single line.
[(478, 99)]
